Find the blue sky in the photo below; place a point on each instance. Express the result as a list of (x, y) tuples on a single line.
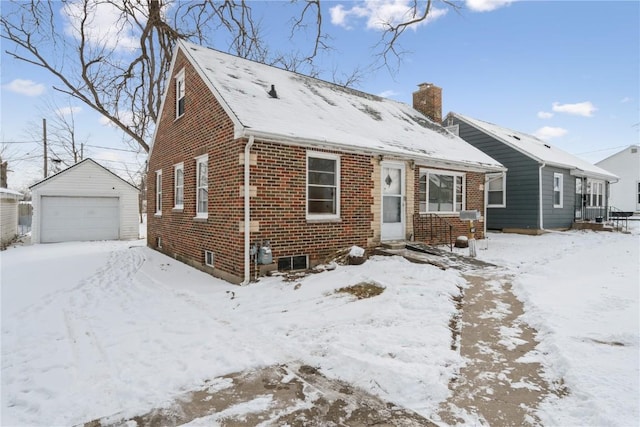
[(567, 71)]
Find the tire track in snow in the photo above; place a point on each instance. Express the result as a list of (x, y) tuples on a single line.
[(64, 354)]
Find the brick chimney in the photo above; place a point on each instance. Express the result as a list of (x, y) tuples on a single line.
[(428, 100)]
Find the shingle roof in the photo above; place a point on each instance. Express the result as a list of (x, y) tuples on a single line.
[(537, 149), (308, 110)]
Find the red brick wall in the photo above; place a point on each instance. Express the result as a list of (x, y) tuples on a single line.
[(203, 129), (280, 205)]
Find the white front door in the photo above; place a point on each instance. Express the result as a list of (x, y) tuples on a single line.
[(393, 209)]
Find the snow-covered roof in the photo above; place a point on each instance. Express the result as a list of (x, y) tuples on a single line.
[(5, 192), (311, 111), (539, 150)]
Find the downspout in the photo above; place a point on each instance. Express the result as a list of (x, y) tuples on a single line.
[(540, 193), (247, 213), (486, 202)]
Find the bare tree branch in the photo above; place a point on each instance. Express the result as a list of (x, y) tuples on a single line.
[(122, 72)]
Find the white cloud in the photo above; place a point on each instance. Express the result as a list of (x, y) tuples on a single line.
[(585, 109), (66, 111), (103, 26), (378, 13), (626, 99), (548, 132), (487, 5), (544, 115), (26, 87), (339, 16), (387, 93)]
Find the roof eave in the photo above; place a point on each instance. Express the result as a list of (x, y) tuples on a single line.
[(582, 173), (331, 145)]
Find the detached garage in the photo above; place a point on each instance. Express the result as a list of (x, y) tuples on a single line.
[(84, 202)]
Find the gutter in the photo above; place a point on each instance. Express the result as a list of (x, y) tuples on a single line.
[(247, 213), (542, 165), (587, 174)]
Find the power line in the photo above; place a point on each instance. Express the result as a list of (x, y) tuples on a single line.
[(604, 149), (111, 148)]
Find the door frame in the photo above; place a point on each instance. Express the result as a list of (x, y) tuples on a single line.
[(401, 233)]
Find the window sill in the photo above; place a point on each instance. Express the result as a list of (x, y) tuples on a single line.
[(496, 206), (201, 218), (178, 118), (444, 214), (323, 220), (157, 214), (177, 209)]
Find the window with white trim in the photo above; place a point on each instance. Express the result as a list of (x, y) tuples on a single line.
[(323, 186), (159, 192), (209, 258), (202, 186), (557, 190), (178, 186), (441, 191), (180, 94), (496, 192), (595, 193)]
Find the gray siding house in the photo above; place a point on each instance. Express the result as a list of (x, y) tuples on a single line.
[(543, 188)]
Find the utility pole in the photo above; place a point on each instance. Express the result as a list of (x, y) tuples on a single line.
[(44, 142), (3, 173)]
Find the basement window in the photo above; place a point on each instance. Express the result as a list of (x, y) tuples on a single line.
[(289, 263), (209, 258)]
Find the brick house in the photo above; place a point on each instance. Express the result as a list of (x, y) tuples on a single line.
[(248, 157)]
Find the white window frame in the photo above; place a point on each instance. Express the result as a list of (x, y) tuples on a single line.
[(209, 258), (329, 156), (455, 175), (595, 191), (560, 190), (158, 193), (503, 177), (180, 93), (204, 159), (178, 188)]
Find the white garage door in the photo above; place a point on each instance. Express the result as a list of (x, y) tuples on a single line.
[(65, 219)]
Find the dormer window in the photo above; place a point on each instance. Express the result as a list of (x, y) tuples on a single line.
[(180, 92)]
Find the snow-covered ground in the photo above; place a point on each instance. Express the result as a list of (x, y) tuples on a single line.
[(91, 329), (580, 291)]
